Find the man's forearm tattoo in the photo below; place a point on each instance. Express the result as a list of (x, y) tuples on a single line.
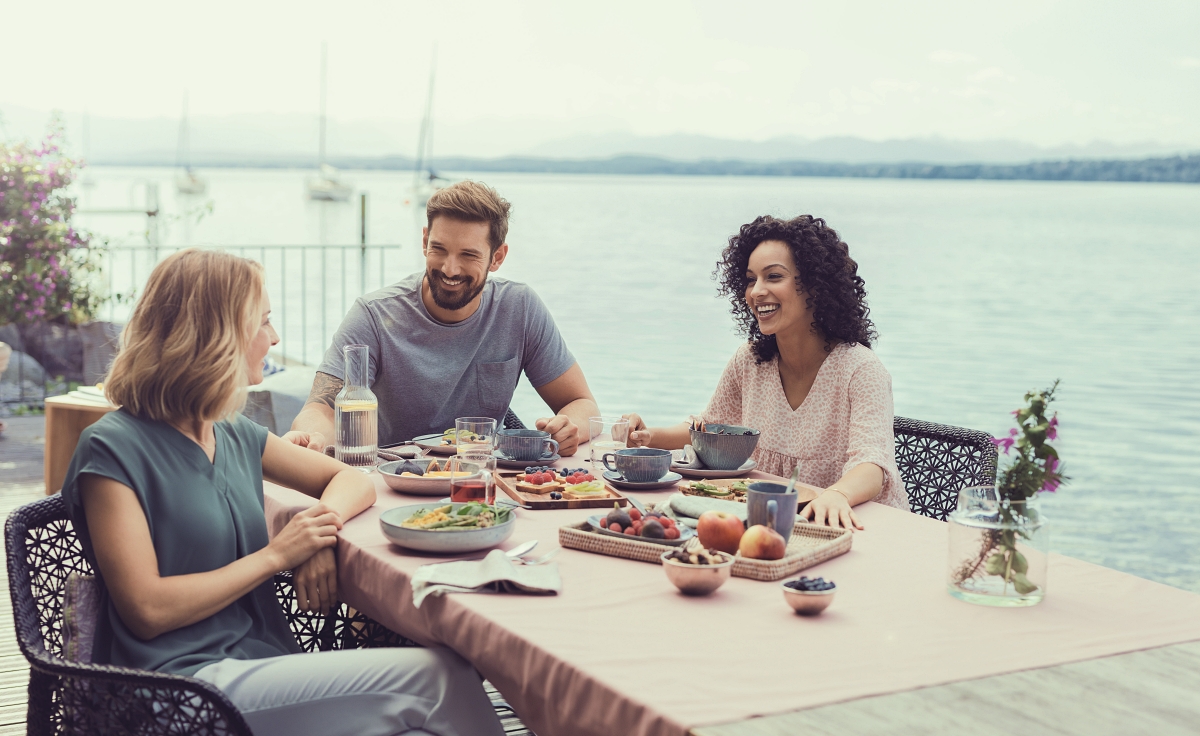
[(325, 389)]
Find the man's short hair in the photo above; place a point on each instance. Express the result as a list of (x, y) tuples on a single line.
[(472, 201)]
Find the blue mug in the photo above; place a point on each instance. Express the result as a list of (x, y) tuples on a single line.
[(771, 505), (639, 464), (525, 444)]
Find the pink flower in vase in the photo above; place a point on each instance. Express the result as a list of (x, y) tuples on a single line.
[(1005, 443), (1052, 430)]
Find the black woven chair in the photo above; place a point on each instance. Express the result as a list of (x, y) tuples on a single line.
[(511, 421), (68, 697), (936, 461)]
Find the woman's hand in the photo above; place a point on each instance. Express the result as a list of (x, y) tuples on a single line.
[(639, 433), (832, 508), (316, 581), (309, 531), (311, 440)]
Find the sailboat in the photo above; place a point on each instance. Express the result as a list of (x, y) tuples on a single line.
[(186, 181), (426, 181), (326, 187)]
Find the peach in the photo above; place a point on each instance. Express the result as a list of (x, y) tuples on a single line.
[(762, 543), (720, 530)]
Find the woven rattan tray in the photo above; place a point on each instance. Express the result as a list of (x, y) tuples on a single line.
[(810, 545)]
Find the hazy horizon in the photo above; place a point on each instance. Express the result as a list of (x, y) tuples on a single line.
[(517, 77)]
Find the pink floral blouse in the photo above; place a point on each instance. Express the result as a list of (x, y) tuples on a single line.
[(845, 420)]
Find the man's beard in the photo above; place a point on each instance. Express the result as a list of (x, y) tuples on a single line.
[(446, 300)]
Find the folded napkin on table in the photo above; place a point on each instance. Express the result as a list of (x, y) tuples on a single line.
[(493, 574), (405, 452), (687, 509)]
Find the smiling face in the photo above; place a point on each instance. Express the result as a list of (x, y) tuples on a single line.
[(773, 291), (458, 258), (261, 340)]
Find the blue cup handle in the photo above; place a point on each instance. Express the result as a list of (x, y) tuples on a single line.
[(608, 465), (553, 445), (772, 513)]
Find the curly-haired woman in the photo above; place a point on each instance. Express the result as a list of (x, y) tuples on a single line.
[(166, 494), (806, 378)]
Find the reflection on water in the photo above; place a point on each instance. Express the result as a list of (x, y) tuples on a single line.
[(980, 290)]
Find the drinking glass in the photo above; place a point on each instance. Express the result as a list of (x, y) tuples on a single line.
[(605, 435), (355, 413), (472, 478), (475, 435)]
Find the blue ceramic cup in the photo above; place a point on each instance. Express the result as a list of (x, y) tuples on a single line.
[(525, 444), (769, 504), (639, 464)]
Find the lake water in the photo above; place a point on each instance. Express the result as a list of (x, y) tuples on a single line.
[(981, 290)]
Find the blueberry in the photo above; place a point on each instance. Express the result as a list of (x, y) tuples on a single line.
[(528, 469), (555, 495)]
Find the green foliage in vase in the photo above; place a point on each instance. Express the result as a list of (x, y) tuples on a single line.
[(1035, 467)]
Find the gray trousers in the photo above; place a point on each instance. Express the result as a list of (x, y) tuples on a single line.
[(358, 692)]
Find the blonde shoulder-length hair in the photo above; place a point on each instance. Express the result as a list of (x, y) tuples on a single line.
[(183, 352)]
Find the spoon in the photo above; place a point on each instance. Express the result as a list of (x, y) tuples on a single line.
[(683, 457), (792, 483), (522, 549)]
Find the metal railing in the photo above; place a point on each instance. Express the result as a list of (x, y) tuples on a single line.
[(311, 288)]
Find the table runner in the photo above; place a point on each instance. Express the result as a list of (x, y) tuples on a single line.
[(620, 651)]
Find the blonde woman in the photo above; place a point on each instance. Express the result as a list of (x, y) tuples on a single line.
[(166, 494)]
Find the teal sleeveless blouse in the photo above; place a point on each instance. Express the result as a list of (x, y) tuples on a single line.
[(202, 516)]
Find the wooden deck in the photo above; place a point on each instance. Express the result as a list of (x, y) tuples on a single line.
[(21, 481)]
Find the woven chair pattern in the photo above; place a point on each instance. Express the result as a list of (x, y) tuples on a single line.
[(512, 421), (69, 697), (936, 461)]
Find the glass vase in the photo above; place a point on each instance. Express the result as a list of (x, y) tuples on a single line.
[(998, 550)]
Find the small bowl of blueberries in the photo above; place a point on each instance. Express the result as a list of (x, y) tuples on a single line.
[(809, 596)]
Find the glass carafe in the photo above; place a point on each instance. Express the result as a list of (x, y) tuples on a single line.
[(356, 413)]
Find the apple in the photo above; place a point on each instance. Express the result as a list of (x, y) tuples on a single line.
[(720, 530), (762, 543)]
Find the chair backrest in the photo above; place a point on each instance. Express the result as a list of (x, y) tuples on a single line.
[(68, 697), (512, 421), (936, 461), (42, 551)]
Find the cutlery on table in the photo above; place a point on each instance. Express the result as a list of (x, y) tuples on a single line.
[(522, 549)]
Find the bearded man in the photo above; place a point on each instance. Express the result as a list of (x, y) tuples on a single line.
[(450, 342)]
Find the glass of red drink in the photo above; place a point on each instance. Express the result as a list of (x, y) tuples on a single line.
[(471, 478)]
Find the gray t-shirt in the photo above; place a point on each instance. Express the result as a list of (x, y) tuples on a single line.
[(427, 373), (202, 516)]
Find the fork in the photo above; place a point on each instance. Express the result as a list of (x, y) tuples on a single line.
[(542, 559)]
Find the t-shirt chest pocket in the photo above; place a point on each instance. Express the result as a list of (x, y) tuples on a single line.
[(496, 383)]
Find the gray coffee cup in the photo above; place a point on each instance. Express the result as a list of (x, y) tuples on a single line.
[(525, 444), (639, 464), (771, 505)]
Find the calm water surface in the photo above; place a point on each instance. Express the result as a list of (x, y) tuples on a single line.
[(980, 291)]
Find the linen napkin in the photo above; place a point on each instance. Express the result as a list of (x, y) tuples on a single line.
[(687, 509), (493, 574)]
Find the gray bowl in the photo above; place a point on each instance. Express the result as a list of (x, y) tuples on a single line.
[(724, 451), (441, 541), (418, 486)]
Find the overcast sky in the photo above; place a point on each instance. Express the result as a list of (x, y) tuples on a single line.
[(1045, 72)]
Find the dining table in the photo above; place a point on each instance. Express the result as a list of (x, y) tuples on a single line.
[(621, 651)]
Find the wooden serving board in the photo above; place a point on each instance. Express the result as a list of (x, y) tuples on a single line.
[(507, 481)]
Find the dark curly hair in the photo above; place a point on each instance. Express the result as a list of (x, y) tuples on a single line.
[(828, 278)]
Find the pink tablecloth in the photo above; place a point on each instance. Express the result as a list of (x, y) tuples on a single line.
[(621, 652)]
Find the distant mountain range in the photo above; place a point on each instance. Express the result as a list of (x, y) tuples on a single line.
[(291, 140)]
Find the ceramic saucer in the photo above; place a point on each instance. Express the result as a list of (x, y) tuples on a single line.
[(667, 481), (696, 469), (504, 462)]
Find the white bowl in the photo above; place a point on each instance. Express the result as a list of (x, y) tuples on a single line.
[(445, 542)]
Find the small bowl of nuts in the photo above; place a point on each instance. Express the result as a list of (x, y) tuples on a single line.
[(809, 596), (696, 570)]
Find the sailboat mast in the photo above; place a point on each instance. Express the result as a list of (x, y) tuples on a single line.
[(425, 138), (321, 154), (183, 156)]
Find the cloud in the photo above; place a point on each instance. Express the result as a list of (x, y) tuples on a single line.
[(992, 72), (1188, 62), (951, 57)]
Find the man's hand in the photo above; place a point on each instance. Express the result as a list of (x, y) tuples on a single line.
[(316, 582), (311, 440), (563, 431)]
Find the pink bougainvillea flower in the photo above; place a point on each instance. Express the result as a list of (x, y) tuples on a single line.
[(1004, 443), (1052, 430)]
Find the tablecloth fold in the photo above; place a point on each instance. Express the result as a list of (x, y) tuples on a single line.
[(493, 574)]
